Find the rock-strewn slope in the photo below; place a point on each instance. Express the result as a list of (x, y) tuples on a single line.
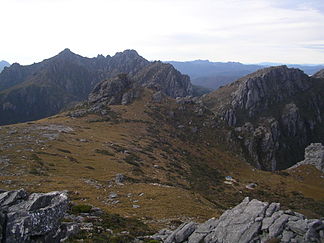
[(275, 113), (250, 221)]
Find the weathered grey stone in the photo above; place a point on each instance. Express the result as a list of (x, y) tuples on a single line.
[(38, 216), (247, 222), (112, 195), (2, 224), (313, 232), (161, 235), (273, 207), (277, 227), (238, 224), (11, 197), (171, 237), (287, 236), (185, 232), (119, 179), (299, 227), (267, 222), (202, 230)]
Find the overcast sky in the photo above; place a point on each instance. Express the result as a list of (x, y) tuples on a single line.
[(248, 31)]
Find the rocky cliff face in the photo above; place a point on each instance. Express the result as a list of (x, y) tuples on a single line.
[(275, 112), (123, 89), (250, 221), (114, 91), (43, 89), (314, 155), (165, 78)]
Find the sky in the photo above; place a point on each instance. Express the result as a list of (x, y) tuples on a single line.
[(247, 31)]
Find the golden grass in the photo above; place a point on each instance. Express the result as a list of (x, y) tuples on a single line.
[(71, 164)]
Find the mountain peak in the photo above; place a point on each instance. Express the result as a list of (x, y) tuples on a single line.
[(274, 70), (128, 53), (319, 74), (66, 52), (258, 90)]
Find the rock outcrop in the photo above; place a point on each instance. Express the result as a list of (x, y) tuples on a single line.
[(113, 91), (33, 218), (123, 89), (314, 155), (250, 221), (165, 78), (274, 112)]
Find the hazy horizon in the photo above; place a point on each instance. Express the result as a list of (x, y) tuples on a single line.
[(253, 31)]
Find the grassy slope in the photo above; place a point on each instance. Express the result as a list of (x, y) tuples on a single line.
[(172, 174)]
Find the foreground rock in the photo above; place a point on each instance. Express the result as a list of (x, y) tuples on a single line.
[(250, 221), (314, 155), (33, 218)]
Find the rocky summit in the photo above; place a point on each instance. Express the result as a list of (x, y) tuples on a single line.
[(250, 221), (275, 113)]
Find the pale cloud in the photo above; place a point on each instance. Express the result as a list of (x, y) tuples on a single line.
[(219, 30)]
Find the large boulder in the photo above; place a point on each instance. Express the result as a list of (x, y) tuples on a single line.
[(33, 218), (251, 221)]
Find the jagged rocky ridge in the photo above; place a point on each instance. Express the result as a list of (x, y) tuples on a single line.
[(250, 221), (275, 113), (43, 89)]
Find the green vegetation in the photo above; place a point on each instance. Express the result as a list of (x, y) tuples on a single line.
[(82, 208), (104, 152), (132, 159), (112, 228)]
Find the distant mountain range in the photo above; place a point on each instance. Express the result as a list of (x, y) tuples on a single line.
[(3, 64), (216, 74), (43, 89)]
